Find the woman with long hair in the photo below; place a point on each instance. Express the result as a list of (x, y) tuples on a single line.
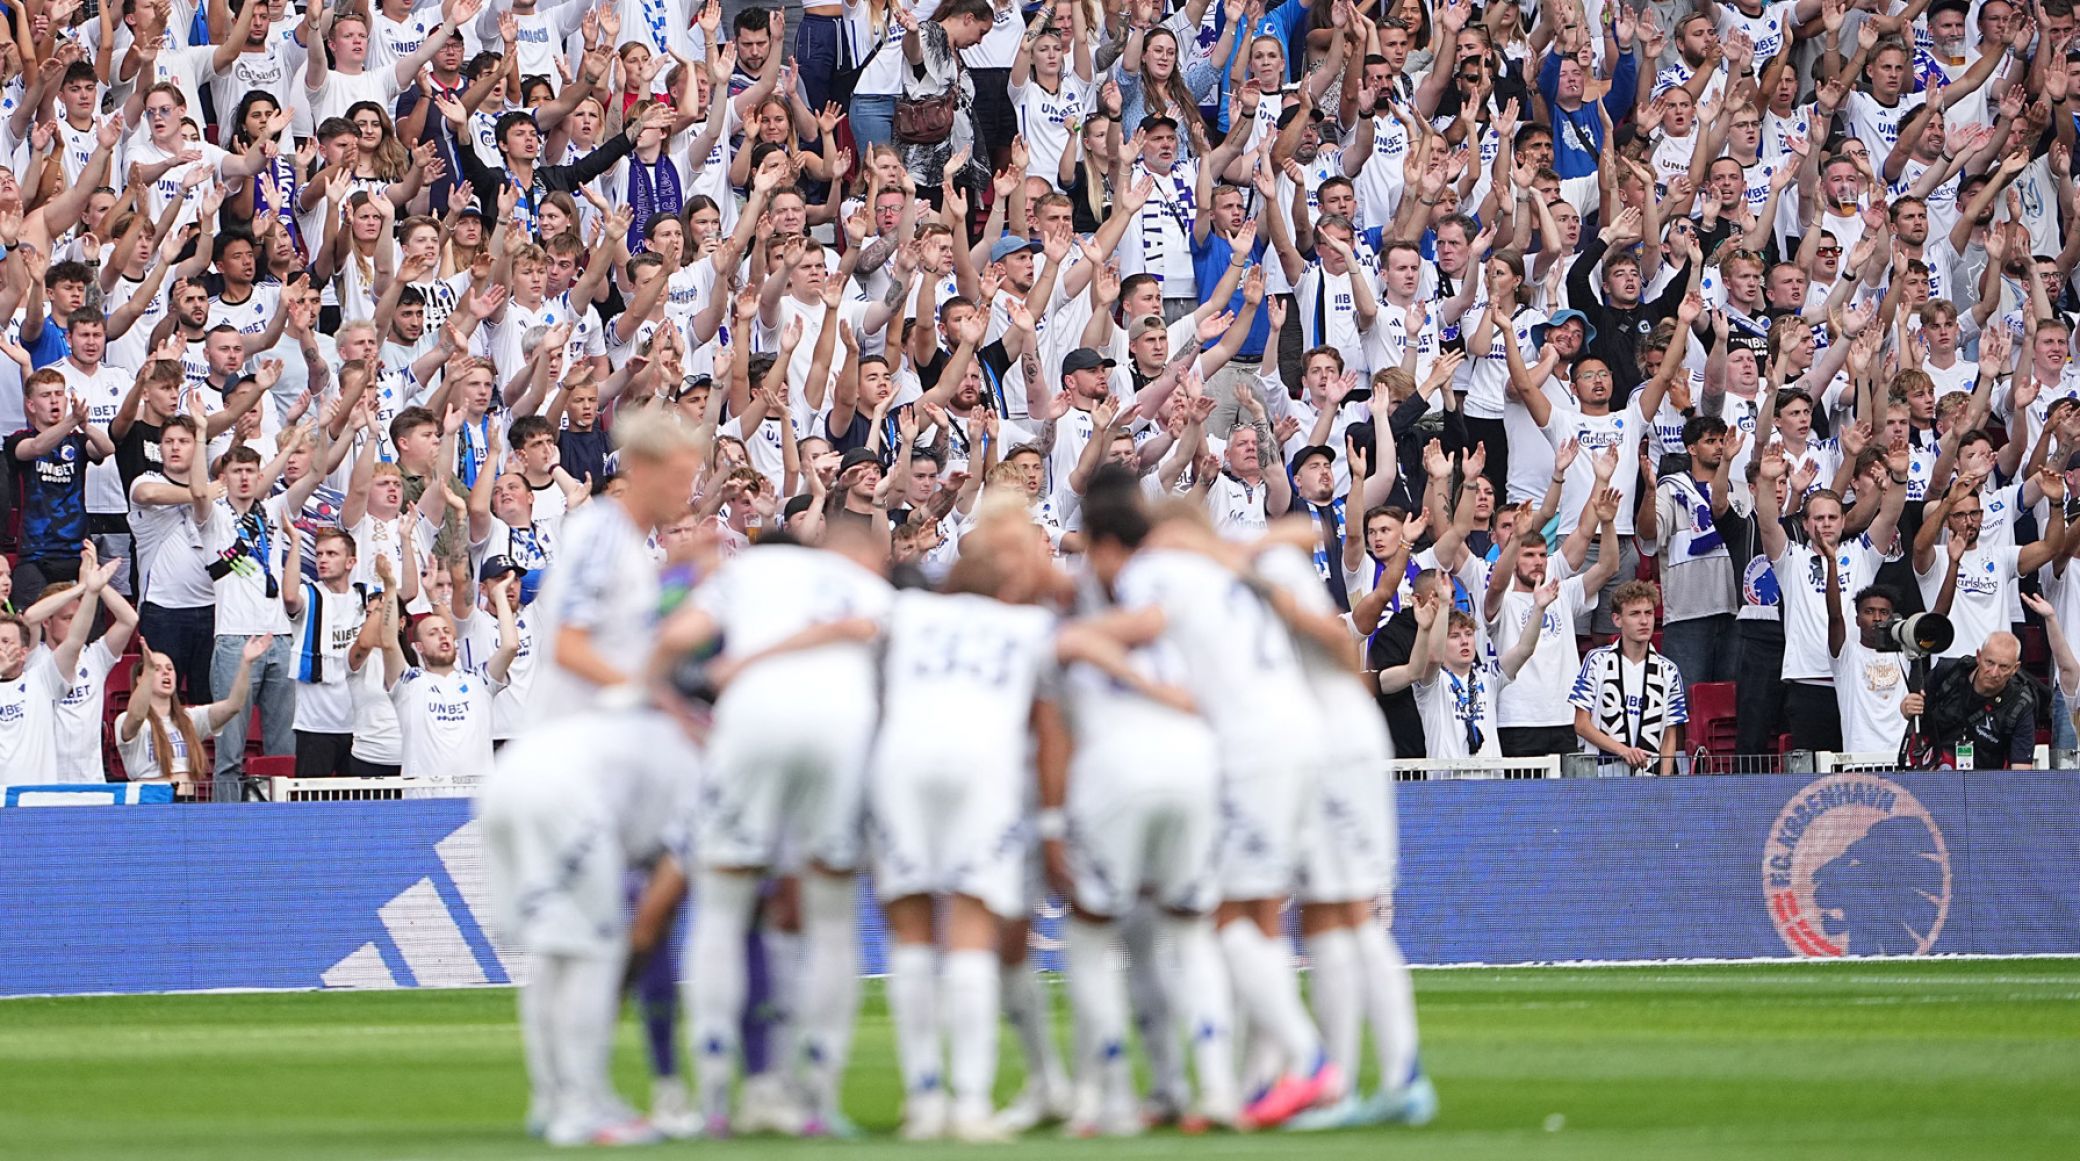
[(1507, 318), (273, 190), (355, 252), (932, 68), (160, 739), (382, 157)]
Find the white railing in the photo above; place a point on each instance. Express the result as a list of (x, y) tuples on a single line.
[(1828, 763), (367, 789), (1474, 769)]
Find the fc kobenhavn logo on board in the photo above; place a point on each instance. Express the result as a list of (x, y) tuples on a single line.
[(1855, 865)]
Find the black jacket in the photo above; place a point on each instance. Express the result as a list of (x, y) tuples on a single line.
[(489, 180), (2001, 728), (1391, 645), (1618, 332)]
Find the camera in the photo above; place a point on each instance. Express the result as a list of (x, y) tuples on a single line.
[(1916, 636)]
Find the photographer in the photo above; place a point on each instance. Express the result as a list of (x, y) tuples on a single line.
[(1983, 702)]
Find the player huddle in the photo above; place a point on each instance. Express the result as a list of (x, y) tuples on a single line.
[(1148, 741)]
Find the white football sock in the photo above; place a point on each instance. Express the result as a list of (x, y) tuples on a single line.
[(829, 985), (1026, 1005), (1269, 991), (1203, 1008), (588, 1005), (1390, 1003), (784, 973), (913, 993), (715, 993), (971, 1029), (1098, 1000), (538, 1037), (1155, 1019), (1333, 986)]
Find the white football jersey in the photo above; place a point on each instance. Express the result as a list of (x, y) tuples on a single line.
[(604, 581), (963, 665), (1239, 660), (764, 596)]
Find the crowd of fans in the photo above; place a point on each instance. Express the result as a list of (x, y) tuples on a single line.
[(1611, 348)]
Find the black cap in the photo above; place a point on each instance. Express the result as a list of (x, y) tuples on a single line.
[(495, 567), (1084, 359), (855, 458), (1155, 121), (1311, 451)]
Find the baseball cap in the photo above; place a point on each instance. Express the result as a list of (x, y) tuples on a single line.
[(1156, 121), (855, 458), (1311, 451), (1008, 245), (470, 209), (1292, 111), (495, 567), (2073, 461), (1145, 324), (1084, 359)]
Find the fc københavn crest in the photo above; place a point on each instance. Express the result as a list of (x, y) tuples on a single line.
[(1855, 865)]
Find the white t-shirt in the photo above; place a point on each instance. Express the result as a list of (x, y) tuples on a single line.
[(377, 737), (341, 92), (103, 391), (244, 606), (445, 720), (167, 190), (79, 715), (326, 706), (1045, 119), (478, 642), (142, 761), (1451, 704), (1802, 588), (1868, 686), (1985, 585), (1488, 388), (170, 551), (29, 724), (1595, 433), (1538, 696), (1328, 307)]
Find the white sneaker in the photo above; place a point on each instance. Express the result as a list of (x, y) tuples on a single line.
[(1043, 1101), (671, 1109), (975, 1126), (924, 1116), (606, 1133), (766, 1106)]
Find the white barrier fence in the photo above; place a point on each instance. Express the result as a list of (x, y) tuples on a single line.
[(367, 789)]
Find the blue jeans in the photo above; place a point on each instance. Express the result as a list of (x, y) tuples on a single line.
[(818, 58), (273, 689), (873, 121), (186, 636), (1702, 648), (2063, 736)]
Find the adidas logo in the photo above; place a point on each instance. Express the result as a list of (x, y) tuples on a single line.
[(436, 944)]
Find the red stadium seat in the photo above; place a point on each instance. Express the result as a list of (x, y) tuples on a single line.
[(271, 766), (1712, 716)]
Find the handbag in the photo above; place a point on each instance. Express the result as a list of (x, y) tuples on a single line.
[(928, 121)]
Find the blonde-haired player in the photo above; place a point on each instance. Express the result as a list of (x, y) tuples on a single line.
[(1356, 972)]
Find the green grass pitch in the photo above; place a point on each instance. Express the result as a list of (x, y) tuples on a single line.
[(1844, 1060)]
